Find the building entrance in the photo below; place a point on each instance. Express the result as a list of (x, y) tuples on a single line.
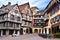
[(21, 31)]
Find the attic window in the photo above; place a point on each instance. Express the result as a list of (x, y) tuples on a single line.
[(16, 11)]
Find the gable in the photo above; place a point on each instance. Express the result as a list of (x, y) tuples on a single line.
[(15, 11)]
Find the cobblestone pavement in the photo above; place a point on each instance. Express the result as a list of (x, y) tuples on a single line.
[(27, 37)]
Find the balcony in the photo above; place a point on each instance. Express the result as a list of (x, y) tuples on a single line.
[(8, 19), (3, 12), (14, 20), (29, 20), (41, 22), (56, 22), (3, 27), (6, 27), (24, 18), (17, 28), (10, 28), (5, 19), (38, 18)]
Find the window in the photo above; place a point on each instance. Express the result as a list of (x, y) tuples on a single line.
[(24, 16), (27, 11), (12, 17), (35, 16), (6, 9), (0, 24), (29, 18), (0, 17), (18, 18), (25, 23), (59, 17), (39, 20), (56, 19), (3, 17), (39, 24), (16, 11), (53, 20), (3, 24), (50, 14), (17, 25), (30, 24), (6, 24), (36, 21), (34, 24), (53, 11), (10, 24), (45, 15), (2, 12), (57, 8)]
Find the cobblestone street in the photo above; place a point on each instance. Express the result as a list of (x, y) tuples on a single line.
[(27, 37)]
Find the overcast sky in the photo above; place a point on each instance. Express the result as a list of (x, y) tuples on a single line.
[(41, 4)]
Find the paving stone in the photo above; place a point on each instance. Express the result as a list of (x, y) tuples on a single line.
[(27, 37)]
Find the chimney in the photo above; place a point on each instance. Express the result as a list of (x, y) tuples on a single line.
[(3, 6), (9, 3)]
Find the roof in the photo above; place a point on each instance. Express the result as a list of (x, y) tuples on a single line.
[(23, 6), (9, 7), (34, 8), (41, 12), (51, 4)]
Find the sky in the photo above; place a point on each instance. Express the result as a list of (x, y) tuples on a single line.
[(41, 4)]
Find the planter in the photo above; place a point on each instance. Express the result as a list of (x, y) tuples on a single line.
[(57, 35), (48, 35)]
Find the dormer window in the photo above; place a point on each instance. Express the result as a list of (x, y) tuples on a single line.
[(7, 9), (1, 12)]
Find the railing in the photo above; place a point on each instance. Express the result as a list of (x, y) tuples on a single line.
[(14, 20), (38, 18)]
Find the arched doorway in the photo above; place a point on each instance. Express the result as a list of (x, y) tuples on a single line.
[(26, 30), (36, 31), (30, 30), (39, 31), (21, 31)]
